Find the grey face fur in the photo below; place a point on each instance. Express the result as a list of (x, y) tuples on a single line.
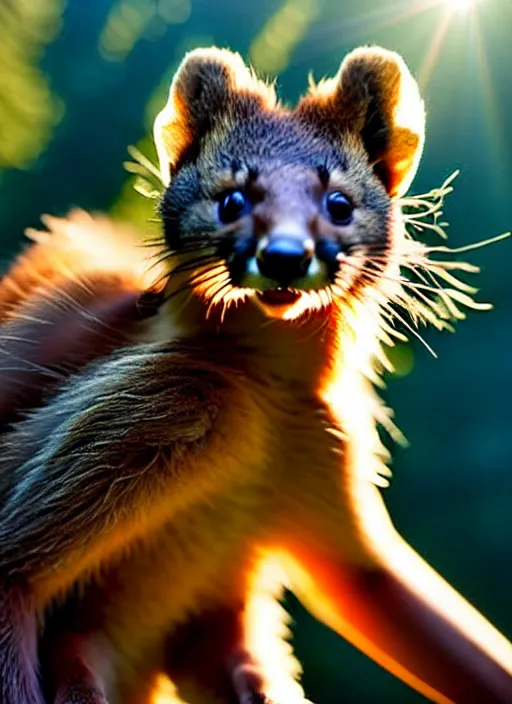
[(284, 169)]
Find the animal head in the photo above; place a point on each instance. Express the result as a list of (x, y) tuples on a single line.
[(290, 209)]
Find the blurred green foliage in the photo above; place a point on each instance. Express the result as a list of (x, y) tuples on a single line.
[(80, 81), (28, 109)]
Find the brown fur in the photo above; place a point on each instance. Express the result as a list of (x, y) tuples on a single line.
[(374, 97), (160, 493)]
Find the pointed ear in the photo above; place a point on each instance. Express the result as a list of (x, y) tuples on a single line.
[(374, 98), (210, 89)]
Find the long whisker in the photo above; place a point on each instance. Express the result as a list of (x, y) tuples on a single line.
[(420, 307), (200, 276), (193, 264), (391, 313), (216, 295)]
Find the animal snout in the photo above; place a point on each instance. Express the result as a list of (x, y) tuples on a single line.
[(285, 259)]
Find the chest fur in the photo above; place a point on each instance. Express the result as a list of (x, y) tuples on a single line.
[(295, 477)]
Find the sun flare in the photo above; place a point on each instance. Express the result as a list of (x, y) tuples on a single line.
[(460, 6)]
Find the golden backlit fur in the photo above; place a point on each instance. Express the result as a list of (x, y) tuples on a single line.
[(179, 447)]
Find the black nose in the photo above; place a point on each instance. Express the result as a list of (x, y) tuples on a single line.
[(284, 259)]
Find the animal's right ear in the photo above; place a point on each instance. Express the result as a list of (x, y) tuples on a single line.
[(209, 92), (375, 101)]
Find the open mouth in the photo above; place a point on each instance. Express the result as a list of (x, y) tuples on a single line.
[(279, 296)]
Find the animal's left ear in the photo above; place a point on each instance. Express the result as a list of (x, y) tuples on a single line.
[(212, 89), (375, 99)]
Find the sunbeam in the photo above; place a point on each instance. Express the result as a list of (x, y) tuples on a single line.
[(460, 6)]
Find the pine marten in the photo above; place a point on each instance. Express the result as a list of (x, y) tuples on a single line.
[(185, 434)]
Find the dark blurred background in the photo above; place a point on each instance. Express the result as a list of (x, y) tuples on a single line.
[(81, 80)]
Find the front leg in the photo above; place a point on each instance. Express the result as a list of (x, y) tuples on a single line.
[(360, 578), (208, 662), (75, 666), (238, 653), (19, 681)]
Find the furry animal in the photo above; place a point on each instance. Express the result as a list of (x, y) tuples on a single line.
[(179, 442)]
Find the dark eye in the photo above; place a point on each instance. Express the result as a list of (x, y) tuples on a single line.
[(339, 207), (233, 205)]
